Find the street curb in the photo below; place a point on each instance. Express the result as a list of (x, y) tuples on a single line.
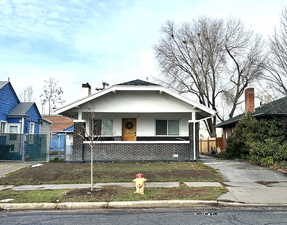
[(129, 204), (242, 204), (160, 203)]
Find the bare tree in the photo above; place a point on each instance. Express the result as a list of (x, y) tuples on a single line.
[(210, 58), (277, 64), (26, 95), (91, 136), (245, 62), (52, 94)]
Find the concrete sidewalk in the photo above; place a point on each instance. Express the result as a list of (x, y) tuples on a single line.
[(100, 185), (241, 192), (245, 182)]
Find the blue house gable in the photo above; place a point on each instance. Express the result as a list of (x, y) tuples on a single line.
[(33, 116), (16, 116), (8, 99)]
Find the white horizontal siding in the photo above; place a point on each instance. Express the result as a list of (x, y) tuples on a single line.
[(134, 102)]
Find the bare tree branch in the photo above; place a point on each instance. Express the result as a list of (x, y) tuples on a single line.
[(276, 67), (210, 59)]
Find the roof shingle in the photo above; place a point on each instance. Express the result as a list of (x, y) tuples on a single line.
[(138, 82), (277, 107), (21, 109), (59, 123)]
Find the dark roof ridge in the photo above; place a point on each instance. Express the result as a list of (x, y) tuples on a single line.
[(138, 82)]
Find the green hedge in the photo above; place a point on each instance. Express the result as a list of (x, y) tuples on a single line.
[(262, 141)]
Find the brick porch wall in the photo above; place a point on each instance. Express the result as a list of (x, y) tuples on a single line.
[(137, 152)]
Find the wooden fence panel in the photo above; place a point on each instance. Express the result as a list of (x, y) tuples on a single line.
[(211, 145)]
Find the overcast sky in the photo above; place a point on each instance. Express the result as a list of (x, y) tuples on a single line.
[(92, 41)]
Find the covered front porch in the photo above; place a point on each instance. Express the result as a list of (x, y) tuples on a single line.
[(136, 136)]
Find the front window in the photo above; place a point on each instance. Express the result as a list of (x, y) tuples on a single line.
[(103, 127), (167, 127), (2, 127), (31, 128), (13, 129)]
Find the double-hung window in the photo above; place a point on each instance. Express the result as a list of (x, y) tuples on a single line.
[(31, 128), (167, 127), (2, 127), (14, 128), (102, 127)]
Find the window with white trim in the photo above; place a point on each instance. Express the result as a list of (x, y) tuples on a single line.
[(167, 127), (2, 127), (103, 127), (14, 129), (31, 128)]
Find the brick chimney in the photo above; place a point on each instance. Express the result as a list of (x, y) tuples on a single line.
[(249, 100)]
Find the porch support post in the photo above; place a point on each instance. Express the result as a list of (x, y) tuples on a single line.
[(80, 116), (78, 138), (193, 135)]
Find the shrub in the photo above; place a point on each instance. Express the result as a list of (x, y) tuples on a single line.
[(280, 154), (237, 144), (267, 161), (262, 141)]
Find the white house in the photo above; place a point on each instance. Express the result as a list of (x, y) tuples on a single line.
[(137, 120)]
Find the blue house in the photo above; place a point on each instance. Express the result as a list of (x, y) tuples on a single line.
[(17, 117)]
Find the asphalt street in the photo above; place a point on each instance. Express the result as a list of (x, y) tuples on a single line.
[(196, 216)]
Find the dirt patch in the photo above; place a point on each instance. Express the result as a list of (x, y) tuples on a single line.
[(102, 194)]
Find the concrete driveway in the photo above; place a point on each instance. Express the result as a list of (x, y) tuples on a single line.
[(249, 183), (8, 167), (241, 171)]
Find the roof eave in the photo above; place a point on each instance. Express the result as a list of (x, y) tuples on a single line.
[(134, 88), (16, 115)]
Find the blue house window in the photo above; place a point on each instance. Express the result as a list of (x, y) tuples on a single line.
[(2, 127), (32, 128)]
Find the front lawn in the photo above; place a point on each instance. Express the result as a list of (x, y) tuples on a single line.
[(109, 194), (69, 173)]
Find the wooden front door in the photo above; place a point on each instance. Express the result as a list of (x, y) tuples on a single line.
[(129, 129)]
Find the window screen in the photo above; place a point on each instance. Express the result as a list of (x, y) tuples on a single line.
[(103, 127), (161, 127), (167, 127), (173, 127), (107, 127), (97, 127)]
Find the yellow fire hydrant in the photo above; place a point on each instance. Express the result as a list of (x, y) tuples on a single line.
[(139, 180)]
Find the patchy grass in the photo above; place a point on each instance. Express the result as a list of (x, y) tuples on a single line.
[(67, 173), (127, 194), (114, 194), (33, 196)]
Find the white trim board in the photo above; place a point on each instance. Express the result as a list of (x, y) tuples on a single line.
[(136, 142), (116, 88)]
